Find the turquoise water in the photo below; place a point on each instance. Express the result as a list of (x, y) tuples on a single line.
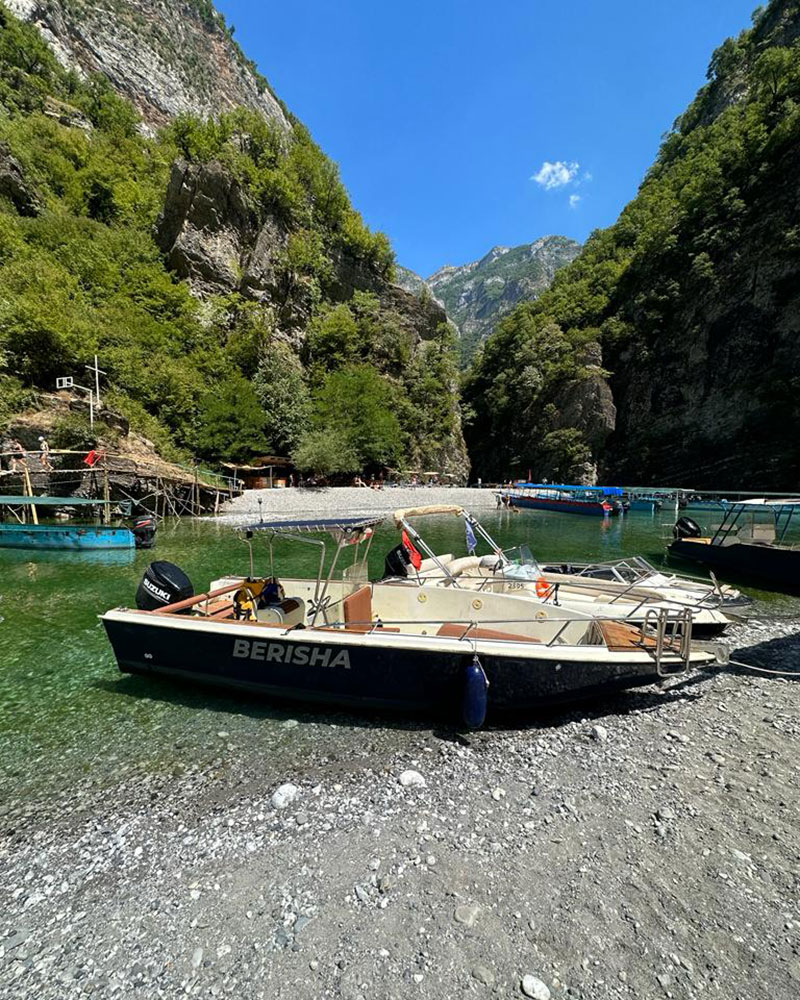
[(67, 714)]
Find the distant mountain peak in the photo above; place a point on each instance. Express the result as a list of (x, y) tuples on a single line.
[(478, 294)]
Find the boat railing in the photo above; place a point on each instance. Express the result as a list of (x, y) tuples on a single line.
[(711, 600), (662, 633)]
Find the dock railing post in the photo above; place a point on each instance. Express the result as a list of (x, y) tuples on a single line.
[(106, 491), (29, 491)]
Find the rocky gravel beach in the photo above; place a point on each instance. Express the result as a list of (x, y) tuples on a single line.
[(350, 501), (644, 846)]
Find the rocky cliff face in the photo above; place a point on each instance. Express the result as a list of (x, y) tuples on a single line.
[(214, 236), (166, 57), (477, 295), (711, 398)]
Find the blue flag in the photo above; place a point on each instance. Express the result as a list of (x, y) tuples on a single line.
[(472, 542)]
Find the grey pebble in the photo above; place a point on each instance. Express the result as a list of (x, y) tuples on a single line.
[(483, 975), (467, 914)]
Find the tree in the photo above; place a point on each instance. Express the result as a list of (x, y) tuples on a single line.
[(326, 451), (333, 338), (231, 422), (283, 394), (358, 404)]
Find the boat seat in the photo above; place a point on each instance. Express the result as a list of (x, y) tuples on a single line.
[(429, 565), (225, 611), (459, 566), (357, 610), (451, 630)]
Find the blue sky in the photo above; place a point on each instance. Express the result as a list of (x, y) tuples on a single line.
[(440, 113)]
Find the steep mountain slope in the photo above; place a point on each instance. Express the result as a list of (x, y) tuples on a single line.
[(477, 295), (411, 281), (237, 300), (165, 57), (686, 311)]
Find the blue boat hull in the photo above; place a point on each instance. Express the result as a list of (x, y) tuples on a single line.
[(69, 537), (651, 506), (590, 507)]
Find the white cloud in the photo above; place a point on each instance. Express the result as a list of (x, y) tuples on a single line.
[(556, 175), (587, 176), (574, 200)]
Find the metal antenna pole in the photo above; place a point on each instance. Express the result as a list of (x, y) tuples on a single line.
[(97, 373)]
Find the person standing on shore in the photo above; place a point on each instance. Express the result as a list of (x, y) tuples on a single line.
[(19, 457), (44, 454)]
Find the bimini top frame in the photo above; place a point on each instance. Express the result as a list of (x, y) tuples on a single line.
[(402, 515), (781, 511), (344, 530)]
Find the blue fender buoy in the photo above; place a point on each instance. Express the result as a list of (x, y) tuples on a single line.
[(475, 695)]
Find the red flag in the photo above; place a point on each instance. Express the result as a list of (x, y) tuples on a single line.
[(416, 557)]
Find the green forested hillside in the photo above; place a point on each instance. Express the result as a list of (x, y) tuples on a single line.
[(214, 375), (692, 296)]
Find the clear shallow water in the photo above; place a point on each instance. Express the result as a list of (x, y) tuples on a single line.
[(67, 714)]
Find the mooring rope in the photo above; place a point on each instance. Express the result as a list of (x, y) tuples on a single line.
[(763, 670)]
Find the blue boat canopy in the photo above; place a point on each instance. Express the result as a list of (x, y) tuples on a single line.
[(316, 524), (608, 491)]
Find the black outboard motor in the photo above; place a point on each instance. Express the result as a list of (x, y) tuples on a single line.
[(163, 583), (685, 527), (397, 562), (144, 531)]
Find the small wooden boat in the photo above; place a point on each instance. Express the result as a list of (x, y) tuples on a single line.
[(757, 539), (597, 501), (24, 533), (395, 645)]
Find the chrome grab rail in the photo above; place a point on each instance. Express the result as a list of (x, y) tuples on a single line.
[(668, 628)]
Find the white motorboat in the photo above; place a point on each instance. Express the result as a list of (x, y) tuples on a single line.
[(442, 650), (516, 572)]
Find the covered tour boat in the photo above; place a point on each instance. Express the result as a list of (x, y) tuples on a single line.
[(391, 645), (598, 501)]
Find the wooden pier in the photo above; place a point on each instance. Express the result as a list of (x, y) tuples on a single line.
[(160, 488)]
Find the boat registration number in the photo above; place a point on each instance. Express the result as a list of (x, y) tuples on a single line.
[(275, 652)]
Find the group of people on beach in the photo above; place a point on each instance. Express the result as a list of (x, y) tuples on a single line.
[(373, 484)]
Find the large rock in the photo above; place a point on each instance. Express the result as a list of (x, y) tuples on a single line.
[(207, 226), (14, 186), (587, 403)]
